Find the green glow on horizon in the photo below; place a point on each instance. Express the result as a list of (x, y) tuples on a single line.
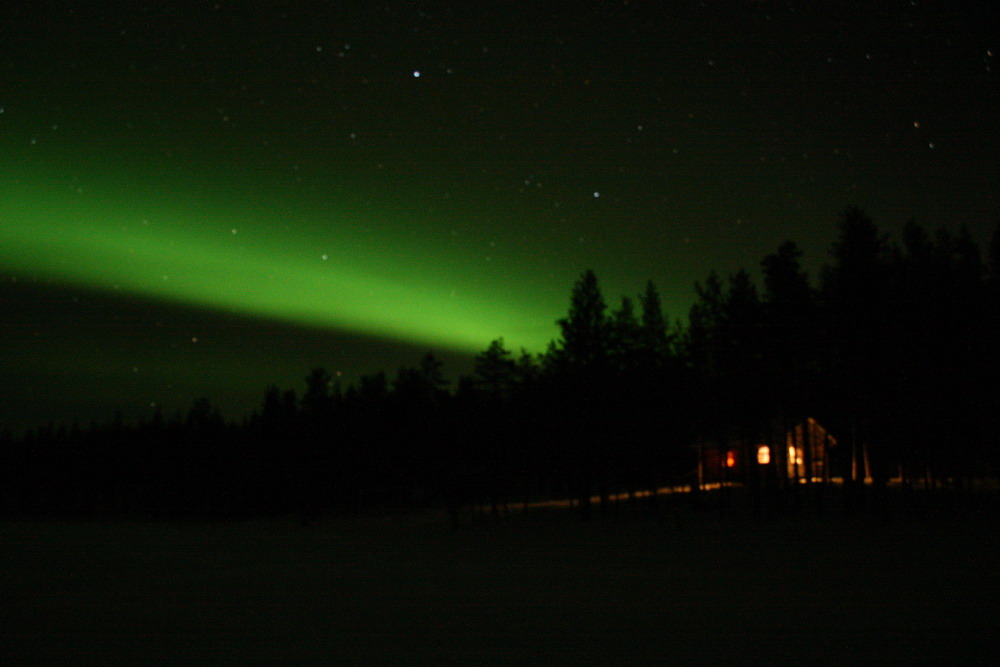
[(381, 283)]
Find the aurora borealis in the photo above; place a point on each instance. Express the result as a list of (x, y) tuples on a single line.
[(203, 198), (202, 258)]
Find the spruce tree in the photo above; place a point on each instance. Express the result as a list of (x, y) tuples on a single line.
[(584, 340)]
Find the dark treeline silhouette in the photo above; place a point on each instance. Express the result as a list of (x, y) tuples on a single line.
[(894, 352)]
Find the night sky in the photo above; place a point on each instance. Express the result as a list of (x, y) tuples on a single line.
[(202, 198)]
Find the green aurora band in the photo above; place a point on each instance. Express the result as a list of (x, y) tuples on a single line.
[(353, 272)]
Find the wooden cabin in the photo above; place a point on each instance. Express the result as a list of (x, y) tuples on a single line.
[(799, 454)]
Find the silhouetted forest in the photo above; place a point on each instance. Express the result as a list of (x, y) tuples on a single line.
[(890, 356)]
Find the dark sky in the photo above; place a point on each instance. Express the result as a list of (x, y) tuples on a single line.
[(202, 198)]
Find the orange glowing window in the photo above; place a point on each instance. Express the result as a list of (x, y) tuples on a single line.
[(730, 459), (763, 455)]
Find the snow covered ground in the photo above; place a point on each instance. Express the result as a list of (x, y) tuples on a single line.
[(542, 589)]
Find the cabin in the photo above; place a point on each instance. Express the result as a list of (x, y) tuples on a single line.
[(797, 454)]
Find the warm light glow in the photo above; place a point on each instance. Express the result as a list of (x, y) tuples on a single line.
[(763, 455), (730, 459), (795, 455)]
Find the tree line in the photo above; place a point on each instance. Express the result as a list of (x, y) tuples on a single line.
[(894, 349)]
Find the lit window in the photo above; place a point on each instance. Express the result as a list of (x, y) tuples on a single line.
[(763, 455), (795, 455), (730, 459)]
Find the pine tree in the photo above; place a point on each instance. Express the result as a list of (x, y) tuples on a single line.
[(855, 294), (317, 401), (584, 341), (493, 371), (705, 318), (790, 347), (655, 339), (625, 337)]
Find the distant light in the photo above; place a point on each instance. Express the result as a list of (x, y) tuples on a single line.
[(596, 194), (730, 459), (416, 74), (795, 455), (763, 455)]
